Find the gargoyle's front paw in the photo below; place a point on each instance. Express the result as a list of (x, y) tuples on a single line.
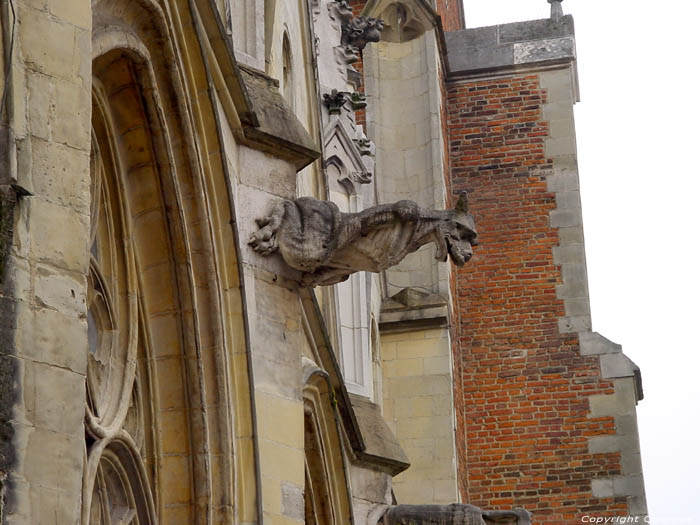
[(264, 241)]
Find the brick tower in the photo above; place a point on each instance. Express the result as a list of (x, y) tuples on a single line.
[(545, 407)]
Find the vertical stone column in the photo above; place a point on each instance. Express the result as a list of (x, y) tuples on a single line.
[(43, 356)]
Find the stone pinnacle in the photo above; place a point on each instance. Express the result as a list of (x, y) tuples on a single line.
[(557, 11)]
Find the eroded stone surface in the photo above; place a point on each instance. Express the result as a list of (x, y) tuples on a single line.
[(328, 245)]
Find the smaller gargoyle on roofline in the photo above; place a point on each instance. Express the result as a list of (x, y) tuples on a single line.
[(327, 245)]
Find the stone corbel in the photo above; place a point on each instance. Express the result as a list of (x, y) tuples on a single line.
[(327, 245), (404, 20), (365, 146), (334, 101)]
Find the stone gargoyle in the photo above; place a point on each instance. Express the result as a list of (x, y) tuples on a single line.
[(327, 245)]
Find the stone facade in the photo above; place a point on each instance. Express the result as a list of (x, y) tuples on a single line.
[(155, 367)]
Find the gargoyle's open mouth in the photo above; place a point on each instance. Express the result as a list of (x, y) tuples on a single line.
[(460, 251)]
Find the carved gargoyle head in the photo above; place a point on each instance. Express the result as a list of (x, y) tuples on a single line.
[(457, 234)]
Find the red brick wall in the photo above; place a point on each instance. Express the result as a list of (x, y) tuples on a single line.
[(522, 437), (451, 14)]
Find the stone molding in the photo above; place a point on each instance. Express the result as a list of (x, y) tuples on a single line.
[(515, 47), (570, 256)]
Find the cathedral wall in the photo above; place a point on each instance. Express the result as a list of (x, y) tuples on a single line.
[(531, 431), (409, 159), (418, 407), (44, 344)]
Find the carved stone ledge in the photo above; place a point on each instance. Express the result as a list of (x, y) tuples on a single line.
[(328, 245)]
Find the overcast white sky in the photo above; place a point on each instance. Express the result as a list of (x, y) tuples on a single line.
[(638, 130)]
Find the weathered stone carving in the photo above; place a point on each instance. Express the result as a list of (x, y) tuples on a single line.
[(357, 100), (359, 31), (340, 10), (334, 101), (358, 177), (364, 145), (328, 245), (455, 514)]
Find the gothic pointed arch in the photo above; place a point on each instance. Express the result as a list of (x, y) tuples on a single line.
[(326, 494), (168, 426)]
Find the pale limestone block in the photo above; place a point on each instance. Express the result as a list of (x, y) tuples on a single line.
[(281, 462), (574, 324), (578, 306), (59, 399), (177, 483), (40, 94), (442, 405), (413, 407), (63, 292), (173, 439), (280, 420), (565, 218), (74, 12), (562, 128), (388, 350), (625, 390), (558, 85), (69, 507), (170, 378), (82, 60), (560, 146), (19, 101), (631, 464), (628, 485), (616, 365), (59, 235), (404, 368), (47, 45), (54, 460), (436, 365), (157, 280), (627, 425), (44, 505), (71, 123), (563, 181), (592, 343), (558, 111), (421, 427), (394, 50), (423, 348), (61, 174), (292, 501), (54, 338), (415, 492), (445, 446), (390, 70), (271, 495), (602, 487), (604, 444), (150, 238), (571, 235), (444, 491)]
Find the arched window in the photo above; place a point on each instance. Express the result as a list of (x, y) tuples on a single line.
[(287, 80)]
